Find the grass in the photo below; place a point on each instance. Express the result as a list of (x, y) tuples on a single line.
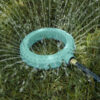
[(48, 46), (22, 82)]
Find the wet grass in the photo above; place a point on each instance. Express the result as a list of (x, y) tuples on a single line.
[(48, 46), (19, 81)]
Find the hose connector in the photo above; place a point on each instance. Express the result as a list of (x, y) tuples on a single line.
[(73, 61)]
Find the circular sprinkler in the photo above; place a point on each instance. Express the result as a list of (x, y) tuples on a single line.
[(53, 60)]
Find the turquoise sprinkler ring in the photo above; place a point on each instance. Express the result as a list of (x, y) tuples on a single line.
[(47, 61)]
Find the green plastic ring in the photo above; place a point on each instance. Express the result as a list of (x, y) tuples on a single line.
[(47, 61)]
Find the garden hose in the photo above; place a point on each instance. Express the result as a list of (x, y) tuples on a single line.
[(84, 69)]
